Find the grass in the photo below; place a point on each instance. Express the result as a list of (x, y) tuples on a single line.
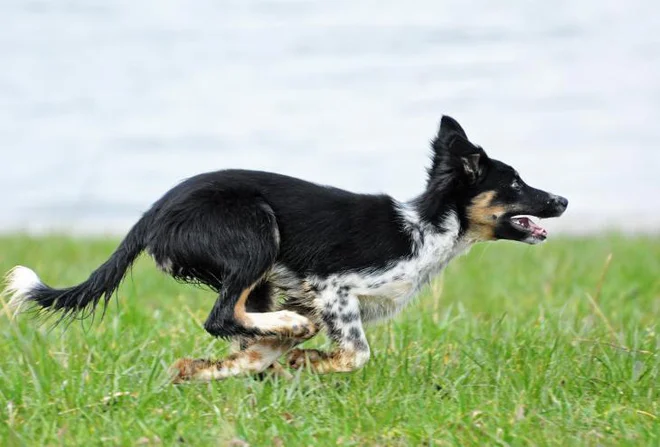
[(514, 345)]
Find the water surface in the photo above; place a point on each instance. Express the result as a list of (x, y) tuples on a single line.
[(104, 105)]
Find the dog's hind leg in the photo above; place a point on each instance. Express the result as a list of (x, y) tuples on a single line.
[(229, 243), (235, 320), (262, 300), (257, 358), (255, 354)]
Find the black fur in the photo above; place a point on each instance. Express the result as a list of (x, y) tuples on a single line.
[(102, 283), (227, 229)]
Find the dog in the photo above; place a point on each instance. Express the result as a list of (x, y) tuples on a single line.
[(288, 258)]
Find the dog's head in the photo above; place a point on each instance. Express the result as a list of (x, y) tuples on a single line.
[(493, 201)]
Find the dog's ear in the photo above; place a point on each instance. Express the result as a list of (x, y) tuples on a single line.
[(450, 128), (454, 154), (469, 157), (447, 133)]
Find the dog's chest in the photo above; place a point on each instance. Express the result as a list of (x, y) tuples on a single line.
[(387, 293)]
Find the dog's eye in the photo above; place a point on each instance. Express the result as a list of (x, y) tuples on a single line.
[(515, 185)]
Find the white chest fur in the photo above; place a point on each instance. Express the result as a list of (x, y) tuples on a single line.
[(387, 292), (383, 293)]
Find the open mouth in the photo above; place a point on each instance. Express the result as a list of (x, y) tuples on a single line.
[(526, 224)]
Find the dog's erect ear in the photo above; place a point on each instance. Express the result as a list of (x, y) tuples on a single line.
[(453, 150), (448, 132), (450, 128)]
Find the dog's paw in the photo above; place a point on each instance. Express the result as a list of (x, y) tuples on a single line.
[(301, 328), (283, 324), (292, 325), (299, 358), (184, 370)]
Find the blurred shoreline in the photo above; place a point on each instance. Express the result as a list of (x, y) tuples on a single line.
[(105, 106), (571, 224)]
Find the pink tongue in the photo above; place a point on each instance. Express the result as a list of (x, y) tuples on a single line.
[(536, 230)]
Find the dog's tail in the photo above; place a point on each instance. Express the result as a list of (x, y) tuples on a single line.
[(25, 289)]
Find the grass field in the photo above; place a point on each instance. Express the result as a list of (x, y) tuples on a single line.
[(514, 345)]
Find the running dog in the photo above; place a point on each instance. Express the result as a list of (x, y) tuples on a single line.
[(288, 258)]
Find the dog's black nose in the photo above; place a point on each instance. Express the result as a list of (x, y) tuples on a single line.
[(560, 201)]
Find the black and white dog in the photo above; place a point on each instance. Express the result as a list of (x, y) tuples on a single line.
[(288, 257)]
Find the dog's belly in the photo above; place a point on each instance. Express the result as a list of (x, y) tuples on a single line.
[(380, 296), (386, 301)]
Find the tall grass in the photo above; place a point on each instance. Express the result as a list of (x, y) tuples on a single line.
[(514, 345)]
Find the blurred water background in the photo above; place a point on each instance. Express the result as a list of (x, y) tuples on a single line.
[(104, 105)]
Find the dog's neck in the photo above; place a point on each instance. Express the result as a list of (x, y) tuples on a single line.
[(434, 206), (435, 242)]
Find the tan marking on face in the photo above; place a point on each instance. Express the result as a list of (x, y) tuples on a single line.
[(482, 217)]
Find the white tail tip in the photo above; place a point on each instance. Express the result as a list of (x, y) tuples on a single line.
[(20, 281)]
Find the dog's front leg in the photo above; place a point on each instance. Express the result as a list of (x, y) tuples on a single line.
[(340, 312)]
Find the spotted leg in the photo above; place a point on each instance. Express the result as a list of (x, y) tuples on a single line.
[(256, 358), (341, 318), (276, 369)]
